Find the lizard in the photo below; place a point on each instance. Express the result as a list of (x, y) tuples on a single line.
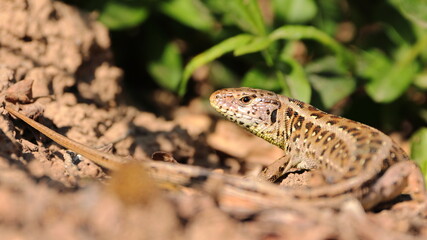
[(353, 158), (258, 194)]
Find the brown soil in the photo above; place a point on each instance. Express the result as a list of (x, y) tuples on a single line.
[(46, 192)]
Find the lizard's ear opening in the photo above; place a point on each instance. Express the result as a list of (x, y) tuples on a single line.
[(273, 116)]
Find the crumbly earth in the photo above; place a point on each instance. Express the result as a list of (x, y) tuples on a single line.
[(47, 191)]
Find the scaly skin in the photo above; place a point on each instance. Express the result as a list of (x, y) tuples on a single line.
[(354, 159)]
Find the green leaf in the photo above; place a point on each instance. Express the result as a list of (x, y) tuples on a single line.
[(257, 44), (297, 81), (421, 80), (295, 11), (415, 10), (327, 65), (253, 13), (332, 89), (419, 149), (211, 54), (257, 78), (168, 69), (291, 80), (372, 64), (423, 114), (189, 12), (390, 80), (387, 81), (307, 32), (117, 15), (245, 14), (221, 76), (329, 15), (330, 81)]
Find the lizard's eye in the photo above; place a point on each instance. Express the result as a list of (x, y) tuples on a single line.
[(245, 99)]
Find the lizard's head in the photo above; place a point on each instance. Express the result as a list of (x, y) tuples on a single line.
[(254, 109)]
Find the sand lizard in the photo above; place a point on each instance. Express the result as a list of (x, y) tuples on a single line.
[(370, 187), (354, 159)]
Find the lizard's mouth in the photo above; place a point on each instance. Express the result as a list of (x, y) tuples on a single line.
[(218, 100)]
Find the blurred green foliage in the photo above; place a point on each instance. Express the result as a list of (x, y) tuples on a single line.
[(386, 59), (369, 55), (419, 149)]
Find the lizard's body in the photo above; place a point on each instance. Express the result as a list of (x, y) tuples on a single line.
[(355, 159), (372, 170)]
